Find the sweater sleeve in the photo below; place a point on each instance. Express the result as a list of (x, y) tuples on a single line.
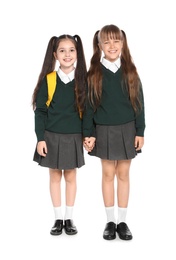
[(140, 118), (41, 111), (88, 121)]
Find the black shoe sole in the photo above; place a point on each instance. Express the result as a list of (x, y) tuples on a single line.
[(109, 238), (55, 234), (123, 238), (71, 233)]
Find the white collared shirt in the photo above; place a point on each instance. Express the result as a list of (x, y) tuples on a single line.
[(112, 66), (66, 77)]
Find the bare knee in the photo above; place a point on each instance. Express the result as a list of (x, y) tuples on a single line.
[(122, 170), (108, 170), (55, 175), (70, 175)]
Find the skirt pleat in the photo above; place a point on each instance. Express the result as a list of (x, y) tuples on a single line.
[(115, 142), (65, 151)]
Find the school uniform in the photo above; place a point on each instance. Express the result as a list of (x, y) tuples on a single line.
[(114, 123), (59, 125)]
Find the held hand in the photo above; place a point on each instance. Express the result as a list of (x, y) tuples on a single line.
[(139, 142), (89, 143), (42, 148)]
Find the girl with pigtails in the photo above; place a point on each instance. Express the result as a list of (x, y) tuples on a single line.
[(114, 121), (58, 127)]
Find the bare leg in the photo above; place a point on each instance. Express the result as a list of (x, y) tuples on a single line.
[(71, 186), (123, 182), (123, 188), (108, 174), (55, 186), (55, 191)]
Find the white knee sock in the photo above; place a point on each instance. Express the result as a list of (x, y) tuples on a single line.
[(110, 214), (58, 213), (68, 212), (122, 212)]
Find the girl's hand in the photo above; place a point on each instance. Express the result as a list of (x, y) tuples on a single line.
[(139, 142), (42, 148), (89, 143)]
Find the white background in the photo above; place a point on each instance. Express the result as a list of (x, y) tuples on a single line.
[(26, 214)]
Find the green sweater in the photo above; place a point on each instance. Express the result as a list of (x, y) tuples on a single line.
[(115, 107), (61, 116)]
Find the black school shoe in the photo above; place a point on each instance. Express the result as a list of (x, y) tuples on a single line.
[(57, 228), (69, 227), (123, 231), (110, 231)]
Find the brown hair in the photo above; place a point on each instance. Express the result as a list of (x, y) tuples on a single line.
[(130, 75), (49, 64)]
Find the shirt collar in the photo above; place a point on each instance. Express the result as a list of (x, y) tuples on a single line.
[(66, 77), (113, 66)]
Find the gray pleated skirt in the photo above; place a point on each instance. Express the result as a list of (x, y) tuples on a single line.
[(115, 142), (65, 151)]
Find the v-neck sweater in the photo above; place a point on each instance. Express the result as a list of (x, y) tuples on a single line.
[(115, 107), (61, 116)]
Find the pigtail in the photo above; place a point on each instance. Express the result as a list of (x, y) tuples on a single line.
[(80, 75), (47, 67), (49, 60), (95, 74), (130, 75)]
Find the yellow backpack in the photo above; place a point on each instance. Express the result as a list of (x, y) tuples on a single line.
[(51, 82)]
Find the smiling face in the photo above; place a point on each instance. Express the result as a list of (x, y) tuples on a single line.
[(111, 44), (66, 54)]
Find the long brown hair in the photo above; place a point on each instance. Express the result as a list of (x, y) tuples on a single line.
[(131, 78), (49, 64)]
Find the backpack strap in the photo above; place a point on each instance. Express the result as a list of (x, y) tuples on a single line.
[(51, 81)]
